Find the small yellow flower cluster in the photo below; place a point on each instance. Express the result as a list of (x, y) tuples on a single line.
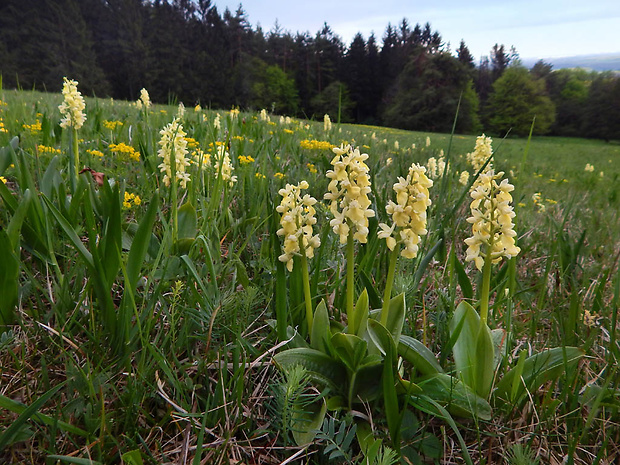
[(316, 145), (125, 152), (3, 179), (173, 142), (297, 220), (288, 131), (436, 167), (95, 153), (327, 123), (492, 226), (234, 113), (191, 143), (112, 125), (222, 157), (198, 108), (144, 101), (348, 192), (279, 175), (45, 149), (408, 212), (260, 176), (2, 128), (200, 158), (72, 107), (245, 160), (538, 202), (34, 128), (589, 168), (464, 178), (131, 199), (482, 152), (311, 168), (239, 138)]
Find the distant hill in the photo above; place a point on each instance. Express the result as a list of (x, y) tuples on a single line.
[(600, 62)]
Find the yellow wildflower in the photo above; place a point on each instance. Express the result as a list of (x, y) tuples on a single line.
[(311, 168), (435, 167), (263, 115), (589, 168), (33, 128), (125, 151), (260, 176), (131, 199), (296, 223), (464, 178), (245, 160), (234, 113), (408, 212), (288, 131), (482, 152), (173, 142), (348, 191), (112, 125), (279, 175), (396, 145), (3, 179), (316, 145), (492, 214), (197, 108), (95, 153), (223, 158), (327, 123), (144, 100), (45, 149), (72, 106)]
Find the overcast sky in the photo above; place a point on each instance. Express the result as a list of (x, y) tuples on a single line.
[(537, 28)]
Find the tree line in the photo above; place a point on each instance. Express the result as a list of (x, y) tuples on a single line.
[(186, 50)]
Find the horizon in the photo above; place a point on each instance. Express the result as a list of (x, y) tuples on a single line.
[(551, 34)]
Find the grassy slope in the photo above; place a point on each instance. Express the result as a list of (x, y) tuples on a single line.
[(123, 409)]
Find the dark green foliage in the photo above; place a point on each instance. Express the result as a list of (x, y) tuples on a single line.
[(427, 95)]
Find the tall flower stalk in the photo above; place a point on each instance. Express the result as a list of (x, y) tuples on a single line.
[(492, 227), (348, 192), (297, 221), (173, 151), (73, 117), (408, 215)]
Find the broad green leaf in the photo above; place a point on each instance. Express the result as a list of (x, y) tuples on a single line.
[(6, 154), (418, 355), (187, 227), (536, 370), (396, 316), (374, 298), (457, 397), (473, 349), (133, 457), (321, 368), (9, 281), (141, 242), (70, 232), (390, 396), (499, 337), (351, 349), (462, 278), (307, 421), (361, 314), (320, 328), (15, 225), (380, 339)]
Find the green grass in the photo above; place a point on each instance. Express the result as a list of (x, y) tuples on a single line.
[(124, 342)]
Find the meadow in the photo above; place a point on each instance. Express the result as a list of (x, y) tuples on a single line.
[(149, 320)]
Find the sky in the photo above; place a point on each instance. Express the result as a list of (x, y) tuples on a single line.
[(536, 28)]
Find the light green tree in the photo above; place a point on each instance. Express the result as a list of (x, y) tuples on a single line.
[(516, 99)]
